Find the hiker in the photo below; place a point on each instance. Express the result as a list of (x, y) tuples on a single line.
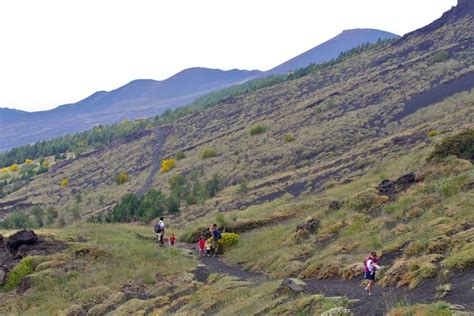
[(172, 239), (370, 266), (216, 235), (202, 246), (160, 231), (208, 248)]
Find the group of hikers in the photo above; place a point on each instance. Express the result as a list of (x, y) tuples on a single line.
[(208, 247)]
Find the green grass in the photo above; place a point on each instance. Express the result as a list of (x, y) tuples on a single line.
[(111, 257)]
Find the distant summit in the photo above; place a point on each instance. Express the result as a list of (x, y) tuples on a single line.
[(137, 99), (146, 97), (331, 49)]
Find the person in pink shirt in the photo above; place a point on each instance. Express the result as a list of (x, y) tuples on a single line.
[(370, 266)]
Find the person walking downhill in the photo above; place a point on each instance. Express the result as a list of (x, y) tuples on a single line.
[(160, 231), (216, 236), (370, 266)]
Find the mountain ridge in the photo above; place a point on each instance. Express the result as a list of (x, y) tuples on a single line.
[(140, 98)]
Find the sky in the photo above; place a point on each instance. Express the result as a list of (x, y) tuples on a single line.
[(54, 52)]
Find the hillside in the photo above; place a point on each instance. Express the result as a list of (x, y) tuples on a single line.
[(146, 98), (137, 99), (330, 49), (313, 173)]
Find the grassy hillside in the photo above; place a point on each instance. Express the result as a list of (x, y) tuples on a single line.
[(308, 152)]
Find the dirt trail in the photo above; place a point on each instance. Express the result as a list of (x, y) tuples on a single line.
[(161, 135), (379, 303)]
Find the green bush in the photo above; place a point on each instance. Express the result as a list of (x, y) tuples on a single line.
[(460, 145), (21, 270), (440, 56), (208, 152), (180, 155), (16, 221), (257, 130), (288, 138)]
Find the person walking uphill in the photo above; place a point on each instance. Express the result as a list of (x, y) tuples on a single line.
[(216, 236), (370, 266), (160, 230)]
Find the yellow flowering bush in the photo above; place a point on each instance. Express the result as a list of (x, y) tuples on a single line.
[(167, 165), (227, 240), (64, 183), (4, 170), (122, 177), (45, 164), (28, 162), (14, 167)]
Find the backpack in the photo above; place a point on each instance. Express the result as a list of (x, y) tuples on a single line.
[(158, 228)]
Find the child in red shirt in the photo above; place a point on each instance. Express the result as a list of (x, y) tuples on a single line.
[(202, 246), (172, 239)]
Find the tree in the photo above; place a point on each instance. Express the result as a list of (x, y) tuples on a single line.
[(38, 214)]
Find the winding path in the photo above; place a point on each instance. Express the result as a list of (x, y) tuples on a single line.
[(161, 133), (379, 303)]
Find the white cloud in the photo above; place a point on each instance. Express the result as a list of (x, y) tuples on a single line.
[(55, 51)]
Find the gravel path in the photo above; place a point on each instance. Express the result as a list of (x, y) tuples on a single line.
[(161, 135), (379, 303)]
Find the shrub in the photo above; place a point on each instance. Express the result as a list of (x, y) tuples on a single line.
[(440, 56), (243, 186), (4, 170), (122, 177), (213, 185), (257, 130), (152, 205), (167, 165), (64, 183), (208, 152), (16, 221), (180, 155), (51, 215), (220, 219), (447, 188), (45, 164), (21, 270), (460, 145), (288, 138), (28, 161), (126, 210), (14, 167), (432, 133), (228, 240), (366, 200)]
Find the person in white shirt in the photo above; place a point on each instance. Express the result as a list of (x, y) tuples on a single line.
[(160, 230)]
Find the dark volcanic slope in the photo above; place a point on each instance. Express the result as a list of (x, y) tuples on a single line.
[(342, 118), (332, 48)]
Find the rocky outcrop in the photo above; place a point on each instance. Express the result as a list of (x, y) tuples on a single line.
[(304, 230), (23, 237), (392, 188), (335, 205), (291, 286)]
